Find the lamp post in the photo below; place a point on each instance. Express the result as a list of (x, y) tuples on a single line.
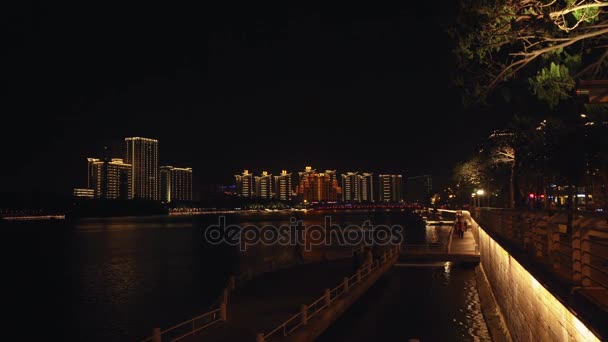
[(479, 193)]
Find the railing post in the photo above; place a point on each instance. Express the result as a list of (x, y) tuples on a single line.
[(223, 313), (225, 296), (156, 335), (346, 284), (304, 314), (231, 283), (358, 275), (576, 255), (259, 337), (327, 297), (585, 259)]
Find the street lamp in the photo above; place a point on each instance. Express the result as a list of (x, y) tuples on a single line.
[(480, 193)]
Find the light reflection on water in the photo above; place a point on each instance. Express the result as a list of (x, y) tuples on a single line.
[(426, 302)]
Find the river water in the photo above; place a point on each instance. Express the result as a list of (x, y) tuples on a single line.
[(116, 279), (432, 302)]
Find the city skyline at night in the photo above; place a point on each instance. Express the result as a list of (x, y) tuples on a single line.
[(137, 175)]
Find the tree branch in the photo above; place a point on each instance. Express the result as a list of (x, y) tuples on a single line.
[(555, 15)]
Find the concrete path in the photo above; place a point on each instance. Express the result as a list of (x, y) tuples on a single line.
[(466, 245), (270, 299)]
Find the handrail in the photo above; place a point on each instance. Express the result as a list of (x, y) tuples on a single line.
[(579, 256), (215, 318), (361, 274)]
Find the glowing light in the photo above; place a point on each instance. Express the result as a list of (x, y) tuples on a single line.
[(480, 192), (562, 321), (531, 195)]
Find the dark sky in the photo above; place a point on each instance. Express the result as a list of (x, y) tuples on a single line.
[(253, 85)]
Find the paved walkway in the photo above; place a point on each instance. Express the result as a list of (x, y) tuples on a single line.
[(466, 245), (269, 300)]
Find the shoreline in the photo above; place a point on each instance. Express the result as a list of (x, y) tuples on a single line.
[(262, 213)]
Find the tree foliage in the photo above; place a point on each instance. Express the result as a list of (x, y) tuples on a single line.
[(471, 173), (548, 44)]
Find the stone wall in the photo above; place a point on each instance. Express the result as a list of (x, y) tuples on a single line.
[(530, 311)]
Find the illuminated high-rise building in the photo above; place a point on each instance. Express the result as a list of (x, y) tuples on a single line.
[(390, 188), (142, 154), (110, 179), (351, 187), (318, 187), (244, 184), (175, 184), (91, 172), (282, 186), (366, 187), (263, 186)]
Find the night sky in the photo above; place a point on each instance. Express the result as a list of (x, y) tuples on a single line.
[(256, 86)]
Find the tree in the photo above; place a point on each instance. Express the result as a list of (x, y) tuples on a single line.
[(502, 152), (546, 44), (469, 175)]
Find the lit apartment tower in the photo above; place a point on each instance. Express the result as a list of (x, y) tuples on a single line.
[(334, 191), (318, 187), (175, 184), (282, 186), (263, 186), (390, 188), (244, 184), (366, 187), (111, 179), (142, 154), (351, 187), (91, 173)]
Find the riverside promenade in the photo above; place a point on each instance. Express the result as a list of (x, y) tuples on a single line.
[(295, 304), (267, 301)]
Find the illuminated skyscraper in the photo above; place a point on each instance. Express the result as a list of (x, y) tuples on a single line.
[(110, 179), (367, 187), (142, 154), (351, 187), (263, 186), (318, 187), (244, 184), (175, 184), (91, 173), (282, 186), (390, 188)]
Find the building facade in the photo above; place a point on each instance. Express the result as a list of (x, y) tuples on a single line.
[(142, 155), (351, 187), (282, 186), (110, 179), (81, 193), (263, 186), (318, 187), (175, 184), (245, 186), (390, 188), (366, 180)]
